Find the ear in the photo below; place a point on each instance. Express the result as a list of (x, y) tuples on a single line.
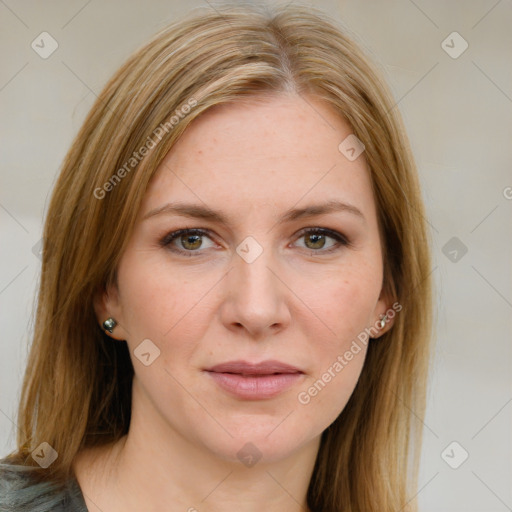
[(386, 305), (107, 304)]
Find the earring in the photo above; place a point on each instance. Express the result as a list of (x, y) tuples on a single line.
[(109, 324), (382, 321)]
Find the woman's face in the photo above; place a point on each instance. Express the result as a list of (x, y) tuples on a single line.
[(255, 283)]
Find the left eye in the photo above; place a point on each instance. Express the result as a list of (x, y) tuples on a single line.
[(317, 237), (191, 240)]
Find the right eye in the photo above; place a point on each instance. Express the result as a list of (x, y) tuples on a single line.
[(190, 240)]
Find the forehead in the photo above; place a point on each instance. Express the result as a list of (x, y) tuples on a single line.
[(273, 152)]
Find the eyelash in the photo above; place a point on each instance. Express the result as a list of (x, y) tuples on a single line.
[(341, 240)]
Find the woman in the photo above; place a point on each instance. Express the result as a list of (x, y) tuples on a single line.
[(235, 302)]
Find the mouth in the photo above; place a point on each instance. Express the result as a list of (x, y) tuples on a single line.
[(251, 381)]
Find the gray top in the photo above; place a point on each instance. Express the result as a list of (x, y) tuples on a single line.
[(19, 493)]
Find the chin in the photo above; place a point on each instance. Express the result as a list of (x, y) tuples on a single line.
[(265, 442)]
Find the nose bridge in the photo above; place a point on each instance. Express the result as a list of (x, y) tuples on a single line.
[(254, 296), (252, 276)]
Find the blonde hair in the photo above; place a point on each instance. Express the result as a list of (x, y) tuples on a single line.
[(77, 386)]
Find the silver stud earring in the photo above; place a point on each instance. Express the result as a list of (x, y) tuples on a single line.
[(382, 322), (109, 324)]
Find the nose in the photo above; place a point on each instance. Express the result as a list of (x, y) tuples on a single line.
[(255, 296)]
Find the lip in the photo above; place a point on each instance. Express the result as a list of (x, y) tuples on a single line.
[(267, 367), (255, 381)]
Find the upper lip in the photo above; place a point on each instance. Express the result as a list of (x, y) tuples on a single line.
[(267, 367)]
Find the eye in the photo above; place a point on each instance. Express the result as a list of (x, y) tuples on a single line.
[(190, 241), (315, 239)]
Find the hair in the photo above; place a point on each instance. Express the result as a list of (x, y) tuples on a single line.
[(77, 385)]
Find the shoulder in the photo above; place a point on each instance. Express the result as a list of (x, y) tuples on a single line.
[(21, 492)]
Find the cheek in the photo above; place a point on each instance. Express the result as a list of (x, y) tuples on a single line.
[(339, 354), (344, 301), (154, 299), (160, 303)]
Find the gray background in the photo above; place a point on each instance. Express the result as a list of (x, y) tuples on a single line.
[(458, 112)]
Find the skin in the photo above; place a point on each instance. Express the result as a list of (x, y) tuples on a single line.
[(252, 160)]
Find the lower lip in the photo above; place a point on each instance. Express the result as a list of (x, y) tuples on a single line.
[(255, 387)]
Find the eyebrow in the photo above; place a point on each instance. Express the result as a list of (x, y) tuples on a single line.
[(206, 213)]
